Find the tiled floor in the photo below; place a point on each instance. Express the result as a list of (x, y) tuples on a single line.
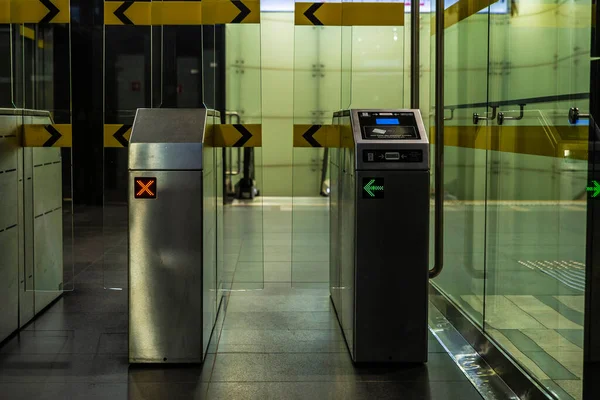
[(282, 342)]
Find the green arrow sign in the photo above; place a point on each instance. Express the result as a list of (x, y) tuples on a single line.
[(372, 187), (595, 188)]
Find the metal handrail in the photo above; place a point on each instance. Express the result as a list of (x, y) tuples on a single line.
[(439, 141), (529, 100)]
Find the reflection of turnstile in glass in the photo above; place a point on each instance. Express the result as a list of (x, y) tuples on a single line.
[(173, 196), (379, 234)]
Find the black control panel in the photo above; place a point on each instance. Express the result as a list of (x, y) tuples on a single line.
[(379, 156), (381, 125)]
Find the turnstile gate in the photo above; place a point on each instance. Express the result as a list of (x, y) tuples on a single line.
[(379, 234), (173, 299)]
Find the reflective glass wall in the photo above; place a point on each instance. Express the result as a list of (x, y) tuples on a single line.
[(38, 258), (515, 180)]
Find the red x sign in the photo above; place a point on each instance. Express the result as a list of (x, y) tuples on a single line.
[(145, 188)]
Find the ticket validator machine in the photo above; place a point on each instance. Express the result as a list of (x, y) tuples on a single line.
[(173, 277), (379, 234)]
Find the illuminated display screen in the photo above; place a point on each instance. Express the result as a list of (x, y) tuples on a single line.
[(387, 121), (144, 188)]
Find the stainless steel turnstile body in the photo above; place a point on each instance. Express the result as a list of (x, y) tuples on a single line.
[(379, 234), (172, 242)]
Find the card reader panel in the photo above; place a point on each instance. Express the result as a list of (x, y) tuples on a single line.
[(392, 155)]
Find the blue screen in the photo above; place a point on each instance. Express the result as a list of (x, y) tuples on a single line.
[(387, 121)]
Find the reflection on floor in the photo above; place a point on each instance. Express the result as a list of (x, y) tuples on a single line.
[(534, 255), (279, 342)]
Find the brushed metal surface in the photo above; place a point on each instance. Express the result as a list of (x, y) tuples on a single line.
[(9, 284), (165, 269), (28, 288), (209, 245), (9, 227), (48, 267), (161, 156), (168, 139), (26, 300)]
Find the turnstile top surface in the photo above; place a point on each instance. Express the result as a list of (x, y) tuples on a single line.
[(385, 139), (169, 138)]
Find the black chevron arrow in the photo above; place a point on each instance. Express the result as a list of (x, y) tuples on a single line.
[(244, 11), (119, 135), (52, 11), (120, 12), (310, 13), (246, 135), (308, 135), (54, 136)]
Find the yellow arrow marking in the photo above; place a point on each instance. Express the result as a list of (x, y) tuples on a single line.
[(109, 135), (227, 135), (349, 14), (38, 135), (230, 12), (34, 11), (325, 135), (139, 13), (207, 12)]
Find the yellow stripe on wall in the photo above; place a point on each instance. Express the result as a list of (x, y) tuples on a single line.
[(532, 140)]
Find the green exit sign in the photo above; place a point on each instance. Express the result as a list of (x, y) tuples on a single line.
[(373, 188)]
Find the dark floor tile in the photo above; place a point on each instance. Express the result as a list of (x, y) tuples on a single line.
[(160, 391), (88, 300), (433, 346), (26, 367), (79, 368), (326, 367), (281, 320), (343, 390), (171, 373), (101, 322), (31, 391), (70, 391), (31, 342)]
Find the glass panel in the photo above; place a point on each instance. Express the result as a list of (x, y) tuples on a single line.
[(245, 224), (465, 77), (537, 173), (131, 66), (317, 90), (41, 72)]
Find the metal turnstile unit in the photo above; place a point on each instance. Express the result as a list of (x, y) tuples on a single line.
[(379, 234), (173, 276)]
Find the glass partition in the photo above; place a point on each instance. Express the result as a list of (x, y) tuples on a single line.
[(245, 222), (337, 65), (515, 180), (317, 92), (42, 96), (132, 80), (465, 78), (537, 178)]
